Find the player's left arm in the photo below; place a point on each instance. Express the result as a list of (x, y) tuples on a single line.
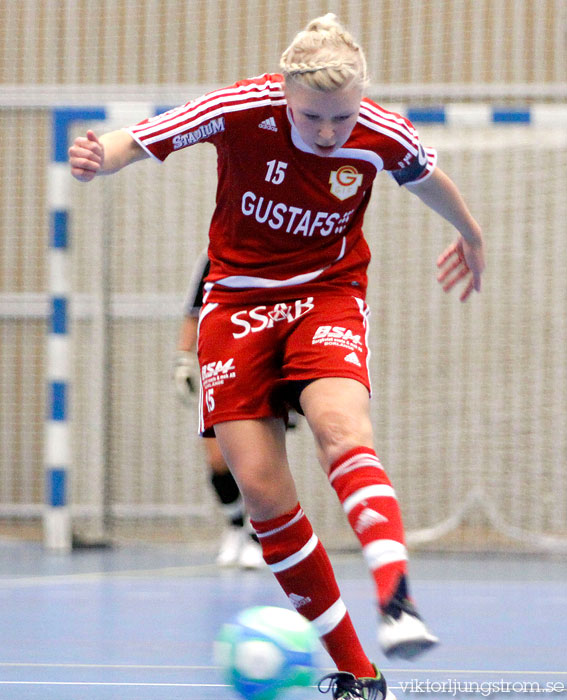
[(465, 257)]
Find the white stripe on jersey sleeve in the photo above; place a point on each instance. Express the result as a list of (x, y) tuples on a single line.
[(193, 109), (239, 91), (190, 124), (188, 112), (395, 121), (395, 127), (369, 120)]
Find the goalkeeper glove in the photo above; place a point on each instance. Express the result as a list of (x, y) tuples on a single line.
[(186, 375)]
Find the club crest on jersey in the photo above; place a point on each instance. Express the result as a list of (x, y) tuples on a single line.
[(345, 182)]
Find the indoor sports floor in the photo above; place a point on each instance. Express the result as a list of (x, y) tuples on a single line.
[(137, 623)]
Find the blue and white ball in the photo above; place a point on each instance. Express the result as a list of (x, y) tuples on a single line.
[(266, 650)]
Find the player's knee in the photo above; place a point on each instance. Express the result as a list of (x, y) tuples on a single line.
[(265, 495), (337, 432)]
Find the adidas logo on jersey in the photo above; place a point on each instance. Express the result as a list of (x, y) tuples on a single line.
[(367, 518), (269, 124), (353, 359)]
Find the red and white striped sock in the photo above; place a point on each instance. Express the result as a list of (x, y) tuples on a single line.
[(301, 565), (372, 509)]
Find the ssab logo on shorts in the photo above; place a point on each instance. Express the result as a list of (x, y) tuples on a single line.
[(261, 317), (345, 182)]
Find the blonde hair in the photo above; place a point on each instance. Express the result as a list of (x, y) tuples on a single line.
[(324, 56)]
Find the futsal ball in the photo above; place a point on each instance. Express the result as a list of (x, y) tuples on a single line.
[(266, 650)]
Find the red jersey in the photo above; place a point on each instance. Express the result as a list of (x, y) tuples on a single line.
[(287, 222)]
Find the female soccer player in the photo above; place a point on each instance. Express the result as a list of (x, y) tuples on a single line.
[(284, 320)]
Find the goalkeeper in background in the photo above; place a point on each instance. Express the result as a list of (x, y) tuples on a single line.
[(239, 545)]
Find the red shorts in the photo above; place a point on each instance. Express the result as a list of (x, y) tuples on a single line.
[(249, 354)]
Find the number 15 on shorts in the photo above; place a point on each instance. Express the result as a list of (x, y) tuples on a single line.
[(210, 400)]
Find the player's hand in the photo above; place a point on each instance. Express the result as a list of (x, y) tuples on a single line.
[(186, 376), (461, 261), (86, 157)]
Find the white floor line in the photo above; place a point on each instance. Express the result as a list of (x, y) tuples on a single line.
[(164, 667), (416, 672), (90, 577), (117, 685)]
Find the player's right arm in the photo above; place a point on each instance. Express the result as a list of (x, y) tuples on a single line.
[(90, 156), (186, 370)]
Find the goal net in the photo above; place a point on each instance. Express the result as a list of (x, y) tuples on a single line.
[(469, 401)]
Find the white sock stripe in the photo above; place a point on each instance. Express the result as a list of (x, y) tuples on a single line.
[(328, 620), (295, 518), (382, 552), (364, 457), (294, 559), (373, 491), (356, 462)]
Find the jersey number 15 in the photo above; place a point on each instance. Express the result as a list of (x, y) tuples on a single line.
[(276, 171)]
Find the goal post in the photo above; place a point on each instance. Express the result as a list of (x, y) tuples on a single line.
[(58, 453), (454, 467), (57, 519)]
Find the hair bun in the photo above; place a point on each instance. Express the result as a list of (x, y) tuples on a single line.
[(324, 56), (326, 22)]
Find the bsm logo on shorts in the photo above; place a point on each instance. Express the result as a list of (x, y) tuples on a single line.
[(215, 373), (337, 336), (261, 317)]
